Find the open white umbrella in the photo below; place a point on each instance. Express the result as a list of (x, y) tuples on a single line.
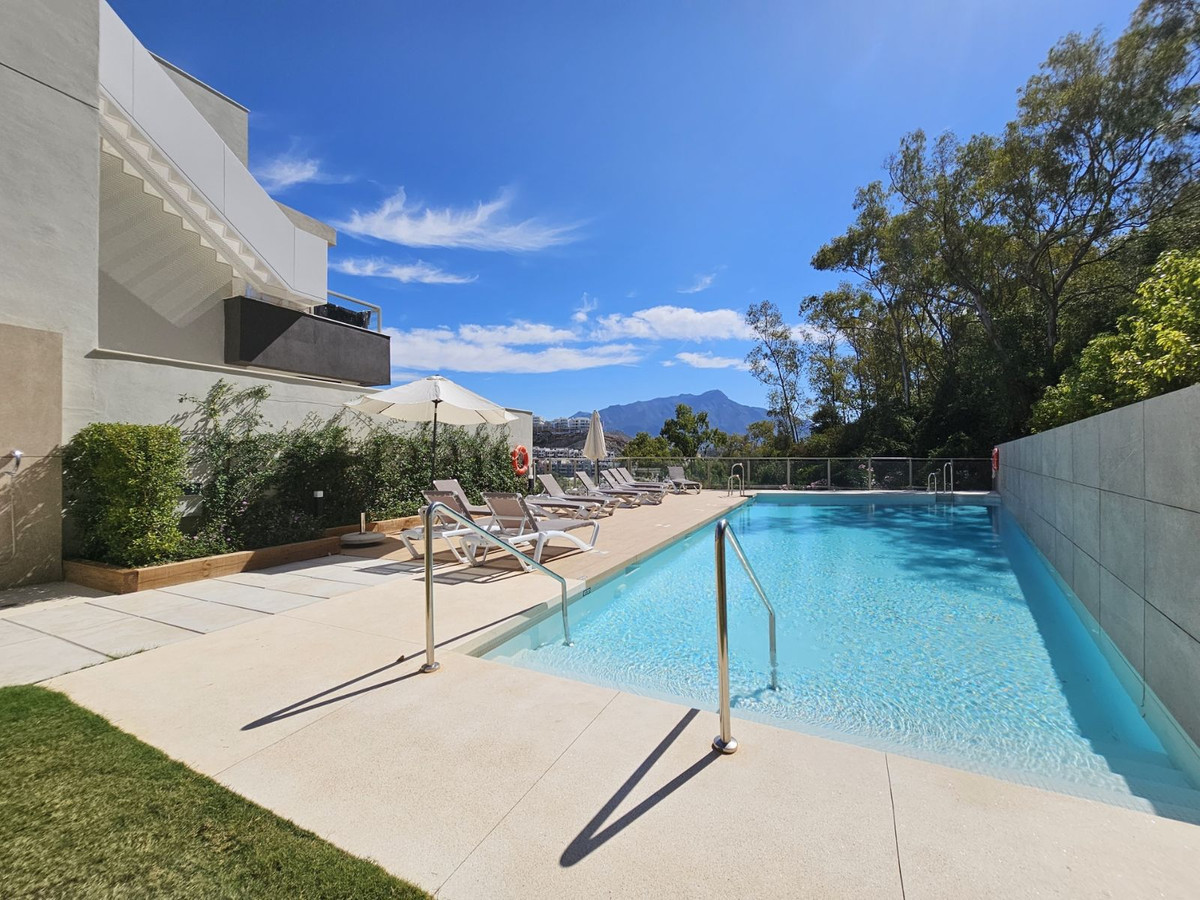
[(594, 448), (433, 399)]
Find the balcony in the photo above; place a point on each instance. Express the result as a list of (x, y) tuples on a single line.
[(266, 336)]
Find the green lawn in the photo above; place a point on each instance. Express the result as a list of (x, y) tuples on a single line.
[(89, 811)]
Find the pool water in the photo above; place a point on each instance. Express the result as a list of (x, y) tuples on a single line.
[(931, 629)]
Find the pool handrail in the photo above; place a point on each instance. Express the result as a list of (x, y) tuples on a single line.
[(442, 510), (725, 742), (740, 480)]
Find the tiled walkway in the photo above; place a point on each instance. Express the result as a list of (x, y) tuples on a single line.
[(49, 630)]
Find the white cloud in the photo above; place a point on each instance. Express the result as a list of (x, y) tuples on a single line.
[(443, 349), (674, 323), (587, 306), (289, 169), (521, 333), (483, 227), (706, 360), (701, 283), (409, 273)]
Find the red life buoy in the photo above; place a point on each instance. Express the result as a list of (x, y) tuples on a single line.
[(995, 460), (520, 460)]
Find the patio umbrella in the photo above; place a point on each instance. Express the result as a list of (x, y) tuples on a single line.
[(433, 399), (593, 447)]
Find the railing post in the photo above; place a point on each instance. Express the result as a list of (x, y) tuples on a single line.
[(828, 474), (724, 742), (789, 473), (431, 665), (910, 481), (870, 473)]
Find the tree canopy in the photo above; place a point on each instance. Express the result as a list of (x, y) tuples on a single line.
[(980, 272)]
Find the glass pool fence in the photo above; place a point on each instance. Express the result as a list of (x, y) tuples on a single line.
[(880, 473)]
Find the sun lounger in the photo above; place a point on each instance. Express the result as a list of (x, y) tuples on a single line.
[(452, 485), (681, 481), (443, 526), (627, 495), (605, 502), (623, 473), (515, 522), (648, 494)]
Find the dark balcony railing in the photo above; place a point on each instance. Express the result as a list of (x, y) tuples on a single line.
[(268, 336)]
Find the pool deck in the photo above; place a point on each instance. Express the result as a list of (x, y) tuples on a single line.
[(487, 780)]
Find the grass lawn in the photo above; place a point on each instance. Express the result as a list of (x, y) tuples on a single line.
[(89, 811)]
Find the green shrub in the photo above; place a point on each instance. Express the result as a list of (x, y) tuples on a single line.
[(122, 486)]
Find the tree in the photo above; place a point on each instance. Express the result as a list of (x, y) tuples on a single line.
[(1155, 350), (776, 361), (688, 432), (644, 446)]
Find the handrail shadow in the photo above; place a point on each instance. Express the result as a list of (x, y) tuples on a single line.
[(593, 836), (308, 704)]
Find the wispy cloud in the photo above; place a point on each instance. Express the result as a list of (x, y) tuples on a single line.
[(673, 323), (707, 360), (701, 283), (406, 273), (522, 333), (587, 306), (289, 169), (486, 226), (469, 349)]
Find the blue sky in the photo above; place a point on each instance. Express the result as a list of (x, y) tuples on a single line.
[(567, 205)]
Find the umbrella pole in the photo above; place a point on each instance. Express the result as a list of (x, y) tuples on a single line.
[(433, 451)]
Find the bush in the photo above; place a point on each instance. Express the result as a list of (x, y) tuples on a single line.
[(122, 486)]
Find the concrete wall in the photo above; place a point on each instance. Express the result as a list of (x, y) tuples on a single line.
[(1114, 503), (49, 188)]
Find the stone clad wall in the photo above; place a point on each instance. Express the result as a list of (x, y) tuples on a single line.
[(1114, 503)]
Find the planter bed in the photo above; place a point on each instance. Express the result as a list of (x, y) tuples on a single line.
[(118, 580)]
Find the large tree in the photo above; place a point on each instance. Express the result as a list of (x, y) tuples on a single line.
[(777, 361)]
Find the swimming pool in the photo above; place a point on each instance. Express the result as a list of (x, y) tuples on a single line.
[(930, 629)]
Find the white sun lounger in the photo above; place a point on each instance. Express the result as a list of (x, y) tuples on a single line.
[(604, 503), (515, 522), (443, 527), (681, 481)]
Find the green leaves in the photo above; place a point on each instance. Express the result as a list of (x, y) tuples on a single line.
[(122, 486)]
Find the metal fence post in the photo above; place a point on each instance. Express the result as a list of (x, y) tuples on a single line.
[(789, 473), (828, 474)]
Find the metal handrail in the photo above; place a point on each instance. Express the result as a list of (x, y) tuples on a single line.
[(378, 309), (740, 480), (725, 742), (441, 509), (932, 481), (948, 477)]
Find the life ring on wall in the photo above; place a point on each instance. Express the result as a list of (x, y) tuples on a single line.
[(520, 460), (995, 460)]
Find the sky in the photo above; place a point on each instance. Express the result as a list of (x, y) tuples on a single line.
[(568, 205)]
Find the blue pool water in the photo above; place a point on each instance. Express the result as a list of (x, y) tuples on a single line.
[(932, 629)]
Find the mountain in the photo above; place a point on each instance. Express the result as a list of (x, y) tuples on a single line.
[(649, 415)]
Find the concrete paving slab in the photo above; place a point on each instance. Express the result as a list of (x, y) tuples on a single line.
[(175, 609), (966, 835), (243, 595), (415, 775), (346, 575), (28, 656), (291, 583), (640, 806), (57, 593), (103, 630), (214, 700)]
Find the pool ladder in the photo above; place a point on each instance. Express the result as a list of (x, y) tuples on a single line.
[(439, 510), (725, 742), (736, 476), (931, 483)]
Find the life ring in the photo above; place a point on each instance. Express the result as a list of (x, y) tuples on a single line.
[(995, 460), (520, 460)]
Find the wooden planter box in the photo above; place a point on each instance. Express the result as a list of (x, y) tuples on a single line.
[(117, 580)]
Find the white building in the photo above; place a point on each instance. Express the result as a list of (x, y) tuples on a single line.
[(140, 260)]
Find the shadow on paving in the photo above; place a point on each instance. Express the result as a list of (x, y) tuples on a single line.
[(595, 834)]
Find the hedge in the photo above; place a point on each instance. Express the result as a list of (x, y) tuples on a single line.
[(121, 485)]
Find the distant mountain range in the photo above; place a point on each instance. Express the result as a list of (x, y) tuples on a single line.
[(649, 415)]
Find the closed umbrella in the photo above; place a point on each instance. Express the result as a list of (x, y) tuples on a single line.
[(593, 447), (433, 399)]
